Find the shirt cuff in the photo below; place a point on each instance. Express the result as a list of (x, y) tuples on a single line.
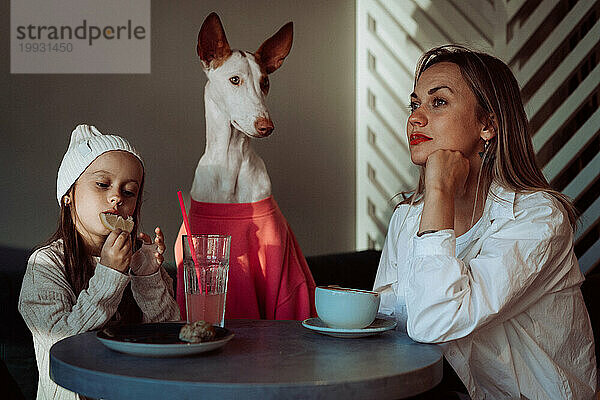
[(387, 299), (440, 243)]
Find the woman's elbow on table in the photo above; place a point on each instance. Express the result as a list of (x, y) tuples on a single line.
[(438, 323), (425, 332)]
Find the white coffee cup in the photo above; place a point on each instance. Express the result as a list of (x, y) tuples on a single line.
[(345, 308)]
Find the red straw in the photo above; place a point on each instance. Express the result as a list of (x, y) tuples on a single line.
[(186, 222)]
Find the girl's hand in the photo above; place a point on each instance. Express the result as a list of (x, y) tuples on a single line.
[(149, 257), (159, 242), (446, 171), (116, 251)]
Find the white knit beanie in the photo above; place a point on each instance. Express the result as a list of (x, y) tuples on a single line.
[(87, 143)]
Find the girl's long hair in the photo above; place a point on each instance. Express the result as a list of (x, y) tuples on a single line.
[(510, 159), (79, 265)]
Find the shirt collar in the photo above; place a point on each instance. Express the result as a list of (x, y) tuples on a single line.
[(501, 202)]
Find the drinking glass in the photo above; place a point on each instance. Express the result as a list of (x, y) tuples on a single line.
[(206, 282)]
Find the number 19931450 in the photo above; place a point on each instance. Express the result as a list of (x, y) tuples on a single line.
[(46, 47)]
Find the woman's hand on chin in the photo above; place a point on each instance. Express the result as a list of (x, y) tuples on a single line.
[(446, 171)]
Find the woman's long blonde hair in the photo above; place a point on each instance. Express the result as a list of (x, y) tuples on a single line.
[(510, 159)]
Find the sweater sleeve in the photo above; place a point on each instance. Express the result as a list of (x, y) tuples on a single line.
[(49, 306), (154, 294)]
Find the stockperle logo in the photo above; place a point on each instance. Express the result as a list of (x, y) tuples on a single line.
[(80, 36)]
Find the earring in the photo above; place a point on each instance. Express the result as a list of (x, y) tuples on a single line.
[(486, 145), (67, 201)]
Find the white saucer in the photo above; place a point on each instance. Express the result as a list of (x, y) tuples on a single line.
[(378, 326)]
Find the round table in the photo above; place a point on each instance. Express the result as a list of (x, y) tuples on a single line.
[(265, 360)]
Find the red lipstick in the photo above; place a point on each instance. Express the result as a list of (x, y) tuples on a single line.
[(417, 138)]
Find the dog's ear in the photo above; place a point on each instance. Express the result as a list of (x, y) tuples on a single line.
[(212, 43), (274, 50)]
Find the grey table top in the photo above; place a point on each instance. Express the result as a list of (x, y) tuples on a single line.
[(265, 360)]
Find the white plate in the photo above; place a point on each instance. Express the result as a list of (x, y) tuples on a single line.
[(157, 340), (378, 326)]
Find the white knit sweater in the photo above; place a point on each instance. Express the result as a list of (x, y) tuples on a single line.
[(53, 312)]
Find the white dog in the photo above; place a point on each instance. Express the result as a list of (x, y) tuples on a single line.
[(234, 100), (231, 192)]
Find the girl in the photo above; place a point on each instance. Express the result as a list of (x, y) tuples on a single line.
[(86, 276), (480, 257)]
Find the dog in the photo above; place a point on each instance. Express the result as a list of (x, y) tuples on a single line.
[(230, 171), (231, 190)]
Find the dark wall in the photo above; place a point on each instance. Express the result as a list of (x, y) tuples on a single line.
[(310, 156)]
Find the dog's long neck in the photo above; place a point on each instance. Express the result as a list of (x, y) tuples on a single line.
[(225, 145), (229, 171)]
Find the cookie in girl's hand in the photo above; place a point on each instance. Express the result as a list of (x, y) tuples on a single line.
[(115, 221)]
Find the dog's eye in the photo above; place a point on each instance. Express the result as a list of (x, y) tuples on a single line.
[(235, 80)]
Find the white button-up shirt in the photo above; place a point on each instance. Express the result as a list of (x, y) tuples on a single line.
[(507, 311)]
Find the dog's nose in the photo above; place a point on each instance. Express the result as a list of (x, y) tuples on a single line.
[(264, 126)]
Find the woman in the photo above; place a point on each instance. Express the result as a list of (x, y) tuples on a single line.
[(480, 257)]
